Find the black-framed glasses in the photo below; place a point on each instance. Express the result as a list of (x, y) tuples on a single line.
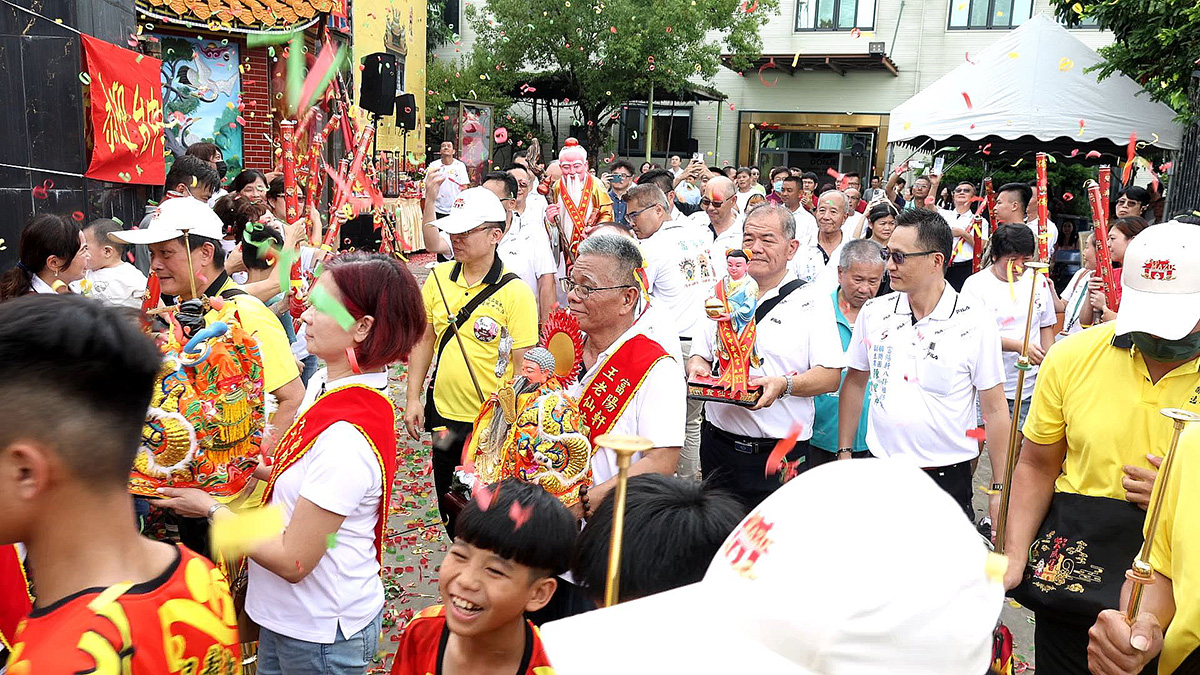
[(585, 292), (630, 215), (716, 204), (899, 257)]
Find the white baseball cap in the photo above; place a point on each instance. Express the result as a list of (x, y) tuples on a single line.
[(859, 567), (472, 208), (171, 219), (1160, 280)]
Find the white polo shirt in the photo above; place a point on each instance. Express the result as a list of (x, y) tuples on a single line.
[(457, 180), (1051, 235), (964, 247), (339, 474), (810, 265), (806, 226), (797, 334), (925, 377), (680, 273), (525, 250), (657, 411), (1009, 305), (731, 238)]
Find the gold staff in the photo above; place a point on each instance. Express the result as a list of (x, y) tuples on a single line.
[(457, 336), (187, 247), (1141, 573), (1023, 366), (625, 446)]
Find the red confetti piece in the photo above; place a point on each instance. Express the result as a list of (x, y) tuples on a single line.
[(978, 433), (482, 495), (765, 66), (839, 177), (855, 33), (78, 216), (775, 460), (501, 135), (968, 100), (1074, 152), (1166, 167), (967, 56), (519, 515), (1093, 154), (987, 149), (613, 29), (1067, 196)]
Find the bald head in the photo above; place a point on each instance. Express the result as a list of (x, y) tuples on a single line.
[(720, 187)]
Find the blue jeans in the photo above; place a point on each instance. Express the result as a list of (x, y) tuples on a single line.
[(282, 655)]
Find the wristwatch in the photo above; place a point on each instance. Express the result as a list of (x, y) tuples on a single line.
[(848, 451), (997, 486), (213, 509)]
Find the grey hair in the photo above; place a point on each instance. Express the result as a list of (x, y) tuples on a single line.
[(860, 251), (625, 255), (787, 221), (845, 199), (648, 195)]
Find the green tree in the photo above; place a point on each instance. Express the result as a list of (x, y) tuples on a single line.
[(607, 52), (1156, 43)]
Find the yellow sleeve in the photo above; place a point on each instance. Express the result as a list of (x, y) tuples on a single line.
[(427, 294), (279, 365), (523, 316), (1184, 469), (1045, 424)]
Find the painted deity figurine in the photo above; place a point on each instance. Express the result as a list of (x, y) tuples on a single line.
[(533, 431), (578, 201), (733, 309)]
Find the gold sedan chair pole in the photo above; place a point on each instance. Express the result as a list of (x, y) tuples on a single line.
[(1014, 432), (625, 446), (1141, 573)]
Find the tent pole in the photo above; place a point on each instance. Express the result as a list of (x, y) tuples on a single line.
[(649, 123)]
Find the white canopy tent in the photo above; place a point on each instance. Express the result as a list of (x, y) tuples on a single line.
[(1031, 91)]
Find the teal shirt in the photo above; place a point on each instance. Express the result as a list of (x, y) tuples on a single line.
[(825, 420)]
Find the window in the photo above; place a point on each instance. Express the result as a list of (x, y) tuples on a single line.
[(835, 14), (1084, 22), (672, 129), (984, 14)]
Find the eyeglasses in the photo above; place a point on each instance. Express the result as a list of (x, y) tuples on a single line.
[(585, 292), (1128, 202), (630, 215), (899, 257), (963, 189), (706, 202)]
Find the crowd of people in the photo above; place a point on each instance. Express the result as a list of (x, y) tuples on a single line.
[(857, 316)]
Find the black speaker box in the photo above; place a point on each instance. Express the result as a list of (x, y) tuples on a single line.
[(406, 112), (378, 91)]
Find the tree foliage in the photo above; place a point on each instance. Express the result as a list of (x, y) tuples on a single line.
[(608, 52), (1156, 43)]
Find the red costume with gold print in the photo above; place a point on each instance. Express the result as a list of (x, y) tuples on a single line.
[(370, 412), (605, 398), (15, 601), (182, 622), (423, 646)]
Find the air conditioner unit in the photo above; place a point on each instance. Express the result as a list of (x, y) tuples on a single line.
[(876, 48)]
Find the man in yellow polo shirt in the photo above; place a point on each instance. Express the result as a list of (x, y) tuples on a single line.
[(1093, 441), (496, 322), (206, 274)]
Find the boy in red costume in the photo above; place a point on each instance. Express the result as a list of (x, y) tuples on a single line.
[(75, 383), (510, 544)]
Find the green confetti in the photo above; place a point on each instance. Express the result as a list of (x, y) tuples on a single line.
[(295, 70), (331, 540), (326, 303)]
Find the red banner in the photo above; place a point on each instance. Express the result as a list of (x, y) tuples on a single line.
[(127, 114)]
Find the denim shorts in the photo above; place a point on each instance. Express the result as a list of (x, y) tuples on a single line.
[(278, 654), (1020, 422)]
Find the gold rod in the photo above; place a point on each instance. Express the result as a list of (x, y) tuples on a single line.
[(625, 447)]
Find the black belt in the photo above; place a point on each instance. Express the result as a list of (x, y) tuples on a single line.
[(744, 444), (931, 469)]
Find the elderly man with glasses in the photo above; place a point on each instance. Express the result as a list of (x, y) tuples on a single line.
[(928, 354), (719, 216), (961, 221)]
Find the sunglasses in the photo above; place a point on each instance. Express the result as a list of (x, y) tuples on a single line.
[(706, 202), (899, 257)]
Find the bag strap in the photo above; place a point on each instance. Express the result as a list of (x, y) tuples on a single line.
[(231, 293), (464, 314), (767, 305)]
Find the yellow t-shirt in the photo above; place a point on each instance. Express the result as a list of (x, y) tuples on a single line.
[(279, 365), (1176, 551), (1095, 391), (511, 313)]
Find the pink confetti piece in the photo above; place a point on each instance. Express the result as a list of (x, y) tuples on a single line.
[(482, 495), (1093, 154), (978, 433), (519, 515), (967, 98), (775, 460)]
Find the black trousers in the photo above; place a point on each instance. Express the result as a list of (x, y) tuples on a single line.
[(956, 481), (957, 274), (738, 463), (448, 439), (1060, 645)]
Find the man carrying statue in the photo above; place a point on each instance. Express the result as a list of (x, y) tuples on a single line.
[(578, 201)]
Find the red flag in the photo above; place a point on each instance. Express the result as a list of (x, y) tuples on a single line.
[(127, 114)]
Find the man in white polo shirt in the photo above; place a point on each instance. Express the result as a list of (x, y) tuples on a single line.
[(962, 221), (793, 195), (802, 357), (455, 177), (816, 261), (719, 215), (928, 354)]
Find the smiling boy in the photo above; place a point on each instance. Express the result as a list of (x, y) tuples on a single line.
[(504, 562)]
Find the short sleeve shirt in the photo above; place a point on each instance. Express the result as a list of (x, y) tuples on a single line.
[(825, 420), (964, 247), (505, 322), (279, 365), (1176, 552), (1009, 305), (681, 274), (1094, 391), (925, 375), (423, 646), (798, 334), (457, 180)]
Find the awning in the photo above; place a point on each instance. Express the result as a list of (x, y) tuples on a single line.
[(556, 87), (234, 16), (838, 63), (1034, 90)]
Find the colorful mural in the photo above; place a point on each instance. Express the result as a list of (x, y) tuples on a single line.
[(202, 88)]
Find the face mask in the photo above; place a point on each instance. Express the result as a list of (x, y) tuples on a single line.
[(222, 169), (1167, 351), (777, 186)]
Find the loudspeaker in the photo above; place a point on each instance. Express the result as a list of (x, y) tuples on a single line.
[(693, 146), (378, 91), (406, 112)]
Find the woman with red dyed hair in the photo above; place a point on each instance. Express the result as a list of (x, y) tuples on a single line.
[(315, 590)]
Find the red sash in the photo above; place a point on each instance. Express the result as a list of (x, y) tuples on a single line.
[(578, 214), (370, 412), (604, 400), (15, 603), (735, 371)]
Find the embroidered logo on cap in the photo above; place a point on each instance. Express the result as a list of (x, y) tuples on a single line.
[(1158, 270), (749, 543), (459, 203)]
